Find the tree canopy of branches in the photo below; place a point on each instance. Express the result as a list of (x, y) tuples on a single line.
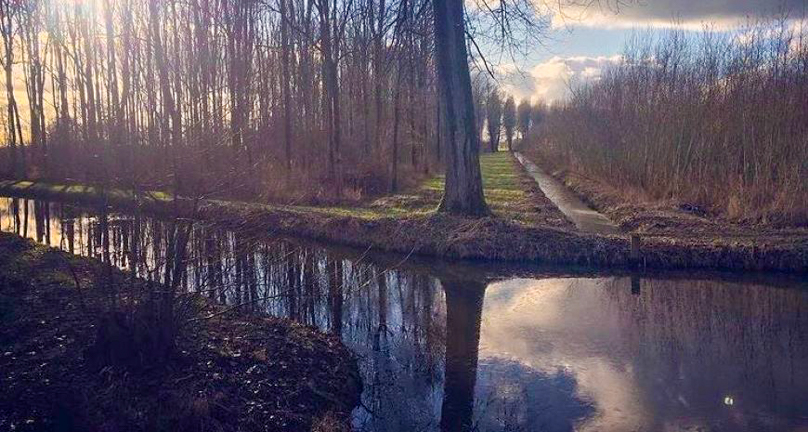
[(285, 99), (523, 116), (493, 118), (245, 96), (509, 120)]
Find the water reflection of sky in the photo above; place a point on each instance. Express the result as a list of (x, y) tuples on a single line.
[(604, 354), (557, 337), (645, 362)]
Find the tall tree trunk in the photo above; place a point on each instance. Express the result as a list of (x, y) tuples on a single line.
[(378, 70), (463, 193), (331, 95), (89, 76), (286, 16), (396, 121), (8, 65)]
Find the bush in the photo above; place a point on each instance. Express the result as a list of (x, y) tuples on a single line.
[(139, 322)]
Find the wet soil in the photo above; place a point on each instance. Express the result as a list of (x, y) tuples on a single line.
[(231, 370)]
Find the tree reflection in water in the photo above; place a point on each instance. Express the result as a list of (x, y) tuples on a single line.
[(457, 354), (464, 308)]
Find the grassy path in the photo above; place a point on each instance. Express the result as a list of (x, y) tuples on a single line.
[(509, 191)]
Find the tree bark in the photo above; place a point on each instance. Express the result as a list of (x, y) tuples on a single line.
[(463, 193), (286, 16), (8, 65), (396, 121)]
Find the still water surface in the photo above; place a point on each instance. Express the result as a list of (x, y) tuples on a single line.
[(443, 347)]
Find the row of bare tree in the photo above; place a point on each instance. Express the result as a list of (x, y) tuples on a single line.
[(297, 99), (495, 118), (248, 95), (181, 93)]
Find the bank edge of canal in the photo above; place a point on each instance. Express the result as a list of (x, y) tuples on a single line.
[(448, 236), (230, 371)]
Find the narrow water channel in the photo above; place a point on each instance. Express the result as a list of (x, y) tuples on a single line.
[(585, 218), (441, 347)]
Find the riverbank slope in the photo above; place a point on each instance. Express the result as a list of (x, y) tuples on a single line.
[(230, 370), (524, 226)]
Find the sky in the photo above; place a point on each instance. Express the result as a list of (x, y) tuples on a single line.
[(583, 41)]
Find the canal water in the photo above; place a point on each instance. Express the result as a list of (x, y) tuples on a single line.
[(442, 345)]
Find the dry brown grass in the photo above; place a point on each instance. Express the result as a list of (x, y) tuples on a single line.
[(712, 120)]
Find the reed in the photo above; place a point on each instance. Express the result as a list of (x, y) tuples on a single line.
[(715, 119)]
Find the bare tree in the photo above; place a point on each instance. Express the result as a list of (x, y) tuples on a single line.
[(509, 120), (463, 192), (8, 13), (523, 117), (493, 118)]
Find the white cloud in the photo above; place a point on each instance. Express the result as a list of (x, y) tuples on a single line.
[(550, 80), (693, 14)]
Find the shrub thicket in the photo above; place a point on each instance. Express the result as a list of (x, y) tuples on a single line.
[(717, 119)]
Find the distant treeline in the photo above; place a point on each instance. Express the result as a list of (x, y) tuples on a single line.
[(716, 119), (497, 119), (294, 99)]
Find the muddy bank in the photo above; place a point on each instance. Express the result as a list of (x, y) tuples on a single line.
[(230, 370), (454, 237)]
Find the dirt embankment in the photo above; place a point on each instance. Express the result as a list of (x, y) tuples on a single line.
[(489, 238), (683, 232), (230, 371)]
